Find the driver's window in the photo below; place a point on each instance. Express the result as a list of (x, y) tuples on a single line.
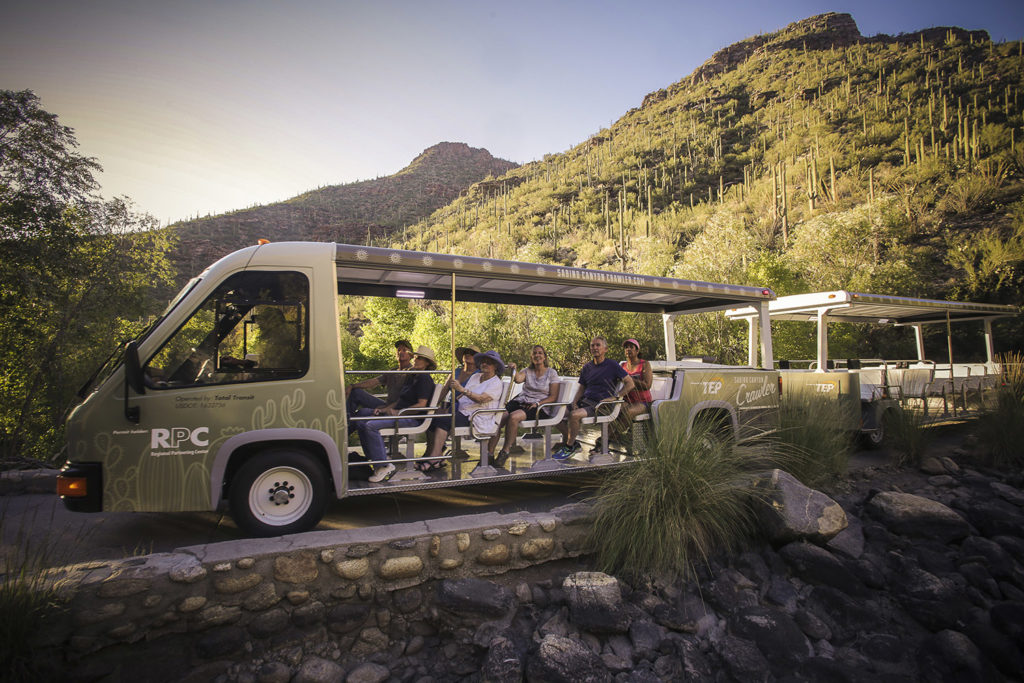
[(253, 327)]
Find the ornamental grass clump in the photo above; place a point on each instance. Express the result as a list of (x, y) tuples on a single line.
[(1001, 429), (28, 598), (668, 513), (813, 442), (909, 434)]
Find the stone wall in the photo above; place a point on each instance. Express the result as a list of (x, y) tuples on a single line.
[(205, 602)]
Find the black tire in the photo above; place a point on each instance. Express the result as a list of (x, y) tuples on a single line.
[(877, 438), (714, 429), (278, 492)]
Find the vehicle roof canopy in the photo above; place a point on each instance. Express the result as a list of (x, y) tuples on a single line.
[(844, 306), (374, 271)]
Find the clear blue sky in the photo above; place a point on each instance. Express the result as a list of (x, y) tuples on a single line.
[(198, 106)]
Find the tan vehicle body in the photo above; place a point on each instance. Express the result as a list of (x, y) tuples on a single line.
[(238, 391)]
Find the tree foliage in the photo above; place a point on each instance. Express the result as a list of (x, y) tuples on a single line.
[(75, 273)]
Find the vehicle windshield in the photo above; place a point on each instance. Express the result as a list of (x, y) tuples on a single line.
[(107, 367)]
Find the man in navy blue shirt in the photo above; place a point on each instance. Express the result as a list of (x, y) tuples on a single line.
[(598, 382), (416, 392)]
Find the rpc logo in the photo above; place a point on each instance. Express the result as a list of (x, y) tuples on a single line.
[(175, 436)]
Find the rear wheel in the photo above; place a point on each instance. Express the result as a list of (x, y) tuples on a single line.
[(713, 429), (876, 438), (278, 492)]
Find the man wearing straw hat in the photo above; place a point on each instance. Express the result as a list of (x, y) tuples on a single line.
[(415, 393)]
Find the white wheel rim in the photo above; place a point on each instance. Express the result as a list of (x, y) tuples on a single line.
[(280, 496)]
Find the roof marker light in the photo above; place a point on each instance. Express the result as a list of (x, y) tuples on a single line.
[(262, 241)]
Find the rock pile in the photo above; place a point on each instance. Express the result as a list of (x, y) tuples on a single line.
[(925, 582)]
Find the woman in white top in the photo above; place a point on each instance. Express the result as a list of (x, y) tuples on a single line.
[(539, 388), (481, 391)]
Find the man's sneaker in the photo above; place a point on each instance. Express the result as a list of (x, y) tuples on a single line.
[(566, 451), (382, 473)]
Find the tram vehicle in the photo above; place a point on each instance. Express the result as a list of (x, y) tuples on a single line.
[(872, 390), (237, 392)]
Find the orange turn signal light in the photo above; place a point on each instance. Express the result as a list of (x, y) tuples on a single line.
[(72, 487)]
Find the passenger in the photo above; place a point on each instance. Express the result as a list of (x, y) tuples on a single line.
[(539, 388), (481, 391), (467, 355), (415, 393), (598, 381), (638, 401), (358, 395)]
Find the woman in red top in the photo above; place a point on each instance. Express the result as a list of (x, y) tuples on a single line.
[(638, 401)]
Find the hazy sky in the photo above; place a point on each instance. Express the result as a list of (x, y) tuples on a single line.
[(205, 106)]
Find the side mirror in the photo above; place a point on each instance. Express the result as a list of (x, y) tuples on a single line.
[(133, 368)]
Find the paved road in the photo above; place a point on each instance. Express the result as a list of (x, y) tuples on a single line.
[(54, 536), (39, 526)]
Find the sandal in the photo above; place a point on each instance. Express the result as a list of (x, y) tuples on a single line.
[(431, 466)]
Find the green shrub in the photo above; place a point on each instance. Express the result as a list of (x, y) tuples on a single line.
[(1001, 429), (811, 443), (909, 434), (686, 500)]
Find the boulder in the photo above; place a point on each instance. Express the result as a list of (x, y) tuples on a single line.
[(595, 603), (368, 673), (776, 634), (562, 660), (909, 515), (743, 659), (475, 597), (502, 662), (818, 566), (850, 541), (994, 516), (951, 656), (793, 511), (731, 589), (318, 670)]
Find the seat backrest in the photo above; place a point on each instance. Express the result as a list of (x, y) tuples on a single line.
[(566, 392), (661, 387), (871, 376), (914, 380), (436, 396), (506, 390)]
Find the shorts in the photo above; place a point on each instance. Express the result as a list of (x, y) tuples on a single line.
[(445, 422), (530, 410), (589, 405)]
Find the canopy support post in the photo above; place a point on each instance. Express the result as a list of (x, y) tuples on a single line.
[(767, 353), (668, 322), (822, 339), (919, 339), (752, 341), (990, 351)]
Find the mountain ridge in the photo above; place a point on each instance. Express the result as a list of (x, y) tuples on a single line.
[(349, 212)]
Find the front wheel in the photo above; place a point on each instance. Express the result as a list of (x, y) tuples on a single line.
[(278, 492)]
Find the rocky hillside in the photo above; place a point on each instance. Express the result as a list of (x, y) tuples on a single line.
[(806, 159), (342, 213)]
